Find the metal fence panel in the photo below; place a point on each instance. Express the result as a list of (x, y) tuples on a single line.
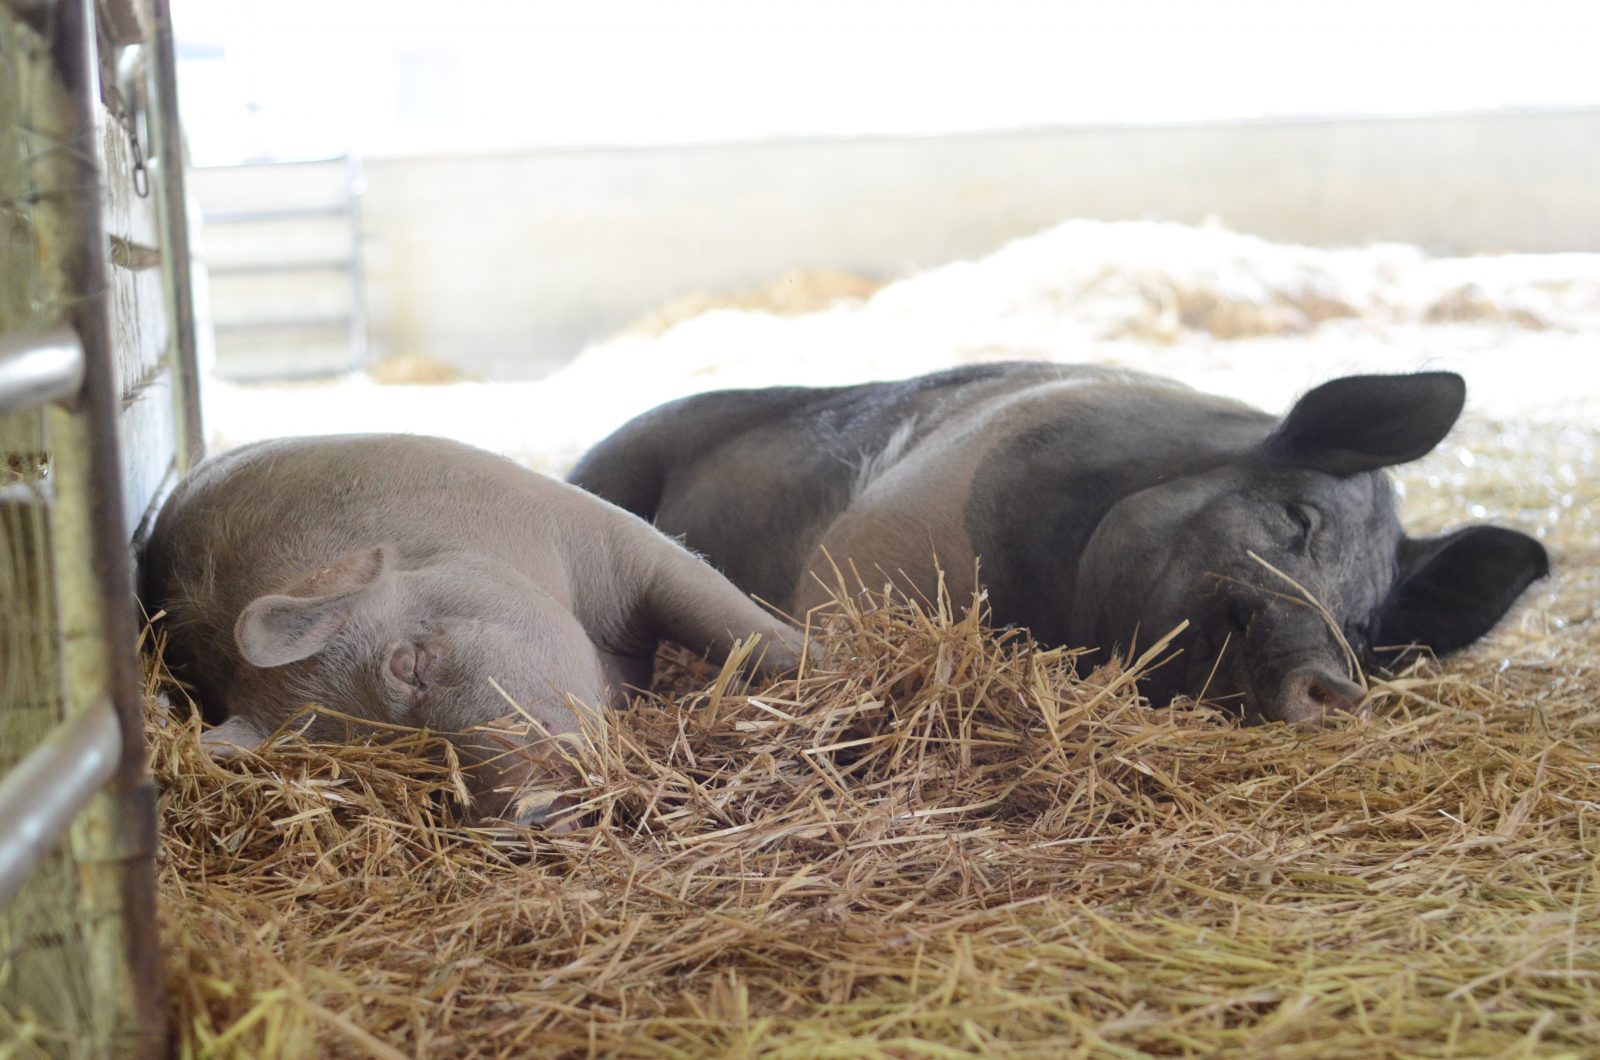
[(93, 260)]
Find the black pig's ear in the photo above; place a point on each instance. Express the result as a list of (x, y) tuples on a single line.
[(1364, 422), (1453, 588)]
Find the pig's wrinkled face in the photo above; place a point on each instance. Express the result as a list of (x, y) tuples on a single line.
[(1183, 551), (1290, 564), (451, 645)]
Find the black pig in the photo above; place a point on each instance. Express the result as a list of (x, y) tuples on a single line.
[(1105, 506)]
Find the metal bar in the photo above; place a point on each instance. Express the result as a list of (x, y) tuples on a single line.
[(254, 268), (113, 840), (291, 375), (173, 214), (100, 402), (288, 324), (356, 186), (42, 794), (39, 368), (287, 213), (278, 163)]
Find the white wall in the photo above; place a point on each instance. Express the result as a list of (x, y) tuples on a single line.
[(299, 78), (507, 264)]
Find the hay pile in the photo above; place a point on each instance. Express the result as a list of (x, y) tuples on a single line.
[(795, 293), (413, 369), (940, 842)]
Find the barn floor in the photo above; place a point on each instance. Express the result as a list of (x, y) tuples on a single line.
[(939, 842)]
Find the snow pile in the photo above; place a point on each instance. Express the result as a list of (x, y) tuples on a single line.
[(1217, 309)]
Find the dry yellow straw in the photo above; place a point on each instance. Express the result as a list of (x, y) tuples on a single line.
[(937, 842)]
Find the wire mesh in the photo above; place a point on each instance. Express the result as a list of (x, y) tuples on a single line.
[(44, 990), (45, 995)]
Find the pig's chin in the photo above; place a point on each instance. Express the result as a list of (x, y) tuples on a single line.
[(1198, 673), (1205, 662)]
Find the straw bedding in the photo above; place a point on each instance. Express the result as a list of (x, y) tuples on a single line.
[(938, 841)]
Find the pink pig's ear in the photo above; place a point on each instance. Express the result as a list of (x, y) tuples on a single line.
[(286, 627)]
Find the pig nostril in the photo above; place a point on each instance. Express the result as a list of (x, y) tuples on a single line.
[(1311, 697), (1333, 697)]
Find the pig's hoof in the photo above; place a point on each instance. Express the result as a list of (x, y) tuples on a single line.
[(549, 810)]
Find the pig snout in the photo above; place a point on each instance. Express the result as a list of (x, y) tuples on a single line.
[(1297, 670), (518, 774), (1312, 697)]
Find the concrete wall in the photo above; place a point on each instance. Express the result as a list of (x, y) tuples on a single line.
[(508, 264)]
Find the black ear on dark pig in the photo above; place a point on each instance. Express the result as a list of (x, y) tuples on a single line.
[(1453, 588), (1364, 422)]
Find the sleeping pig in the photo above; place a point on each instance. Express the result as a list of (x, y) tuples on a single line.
[(418, 582), (1105, 506)]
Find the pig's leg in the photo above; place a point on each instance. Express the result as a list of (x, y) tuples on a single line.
[(686, 600)]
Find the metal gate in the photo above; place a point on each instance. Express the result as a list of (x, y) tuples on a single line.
[(99, 413)]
